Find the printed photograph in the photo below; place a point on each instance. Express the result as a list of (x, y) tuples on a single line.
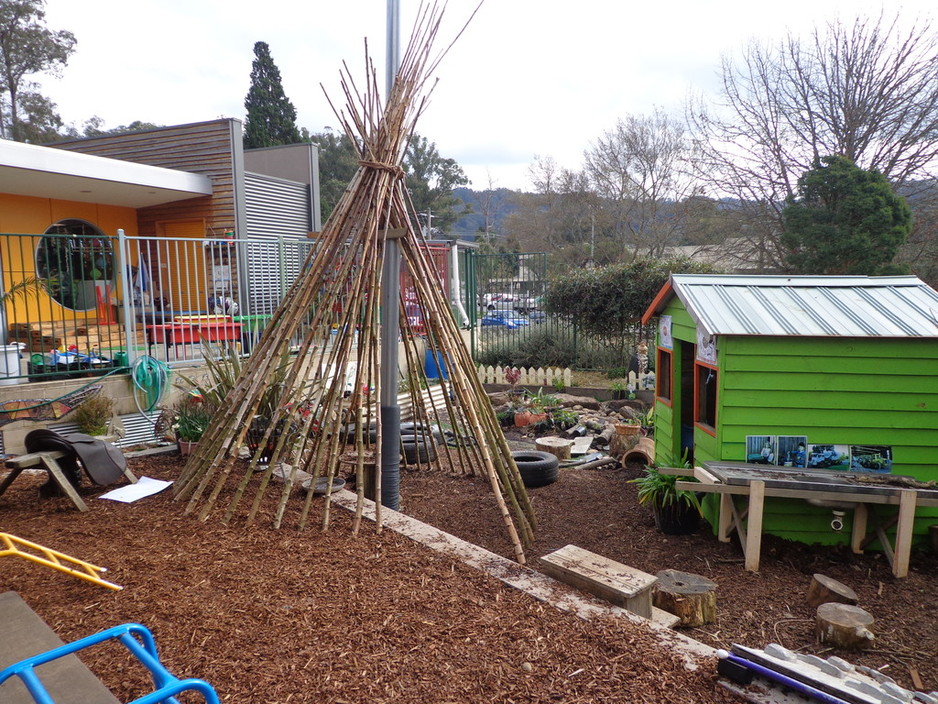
[(833, 457), (760, 449), (871, 458), (792, 451)]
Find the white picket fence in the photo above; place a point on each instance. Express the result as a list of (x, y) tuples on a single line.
[(550, 375), (541, 376)]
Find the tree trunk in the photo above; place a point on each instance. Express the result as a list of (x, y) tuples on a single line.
[(690, 597), (823, 589), (558, 447), (843, 626)]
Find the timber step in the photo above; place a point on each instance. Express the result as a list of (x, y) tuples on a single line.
[(617, 583)]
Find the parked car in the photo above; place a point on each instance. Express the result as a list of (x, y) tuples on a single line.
[(500, 318), (509, 302)]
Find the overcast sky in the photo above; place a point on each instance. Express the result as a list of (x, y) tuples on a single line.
[(528, 78)]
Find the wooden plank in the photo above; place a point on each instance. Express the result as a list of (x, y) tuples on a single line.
[(858, 533), (754, 525), (617, 583), (726, 518), (24, 634), (904, 531)]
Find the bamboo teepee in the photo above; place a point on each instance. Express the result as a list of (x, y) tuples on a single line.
[(335, 301)]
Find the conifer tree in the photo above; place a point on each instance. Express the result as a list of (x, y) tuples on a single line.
[(271, 117)]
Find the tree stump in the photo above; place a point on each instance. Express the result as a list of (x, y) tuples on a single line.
[(558, 447), (690, 597), (619, 445), (823, 589), (843, 626)]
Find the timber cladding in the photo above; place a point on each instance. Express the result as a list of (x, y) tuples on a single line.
[(206, 148)]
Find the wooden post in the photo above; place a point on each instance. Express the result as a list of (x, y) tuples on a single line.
[(904, 529), (754, 525), (858, 534)]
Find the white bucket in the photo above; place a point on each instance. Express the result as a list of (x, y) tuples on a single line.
[(9, 364)]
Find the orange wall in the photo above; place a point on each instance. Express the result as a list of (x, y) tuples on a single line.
[(28, 215)]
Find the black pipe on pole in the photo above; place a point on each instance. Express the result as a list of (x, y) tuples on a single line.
[(390, 323)]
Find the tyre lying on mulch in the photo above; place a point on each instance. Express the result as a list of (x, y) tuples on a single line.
[(536, 468), (417, 449)]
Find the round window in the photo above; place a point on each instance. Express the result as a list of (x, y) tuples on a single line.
[(76, 258)]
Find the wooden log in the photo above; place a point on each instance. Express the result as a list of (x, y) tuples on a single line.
[(823, 590), (558, 447), (690, 597), (843, 626)]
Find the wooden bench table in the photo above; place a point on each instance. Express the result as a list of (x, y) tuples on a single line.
[(754, 489), (50, 462)]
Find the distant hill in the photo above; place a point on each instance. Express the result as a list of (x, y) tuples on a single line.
[(501, 204)]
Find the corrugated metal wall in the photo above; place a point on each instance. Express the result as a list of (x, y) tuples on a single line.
[(278, 219)]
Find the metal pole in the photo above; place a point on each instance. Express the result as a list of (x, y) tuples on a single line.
[(390, 323)]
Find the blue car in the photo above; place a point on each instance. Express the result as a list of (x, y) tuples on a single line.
[(503, 319)]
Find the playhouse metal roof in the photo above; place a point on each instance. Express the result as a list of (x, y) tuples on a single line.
[(805, 306)]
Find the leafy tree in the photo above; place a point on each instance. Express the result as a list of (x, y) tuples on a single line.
[(271, 117), (431, 179), (27, 47), (845, 220), (338, 162), (867, 90), (607, 300)]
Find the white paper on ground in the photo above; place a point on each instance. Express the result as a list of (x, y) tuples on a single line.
[(130, 493)]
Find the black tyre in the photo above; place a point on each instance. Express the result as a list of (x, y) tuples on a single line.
[(416, 451), (348, 432), (536, 468)]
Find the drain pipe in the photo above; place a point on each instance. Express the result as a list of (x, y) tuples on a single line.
[(456, 285)]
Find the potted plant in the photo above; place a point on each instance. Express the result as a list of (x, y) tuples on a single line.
[(94, 415), (191, 418), (533, 409), (676, 511)]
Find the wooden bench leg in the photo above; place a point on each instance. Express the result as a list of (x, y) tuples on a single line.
[(14, 473), (59, 476)]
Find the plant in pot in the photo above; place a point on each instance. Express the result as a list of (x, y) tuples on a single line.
[(191, 418), (534, 409), (676, 511), (94, 415)]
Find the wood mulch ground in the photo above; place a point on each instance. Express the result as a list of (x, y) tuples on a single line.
[(285, 616)]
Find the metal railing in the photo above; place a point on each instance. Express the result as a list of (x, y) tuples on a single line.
[(100, 303)]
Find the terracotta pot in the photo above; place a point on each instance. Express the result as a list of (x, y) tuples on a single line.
[(186, 447), (528, 418)]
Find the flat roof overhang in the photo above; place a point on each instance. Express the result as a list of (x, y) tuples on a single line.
[(43, 172)]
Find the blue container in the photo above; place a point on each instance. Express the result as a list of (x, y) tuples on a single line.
[(435, 365)]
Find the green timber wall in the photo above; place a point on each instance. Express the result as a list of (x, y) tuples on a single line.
[(850, 391)]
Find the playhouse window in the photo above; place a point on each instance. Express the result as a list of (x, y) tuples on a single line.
[(706, 395), (76, 258), (664, 375)]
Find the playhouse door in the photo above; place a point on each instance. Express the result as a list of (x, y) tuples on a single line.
[(684, 403)]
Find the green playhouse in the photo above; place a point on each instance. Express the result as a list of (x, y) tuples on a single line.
[(793, 383)]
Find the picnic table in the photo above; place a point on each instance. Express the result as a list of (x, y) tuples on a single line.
[(188, 330), (859, 492)]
